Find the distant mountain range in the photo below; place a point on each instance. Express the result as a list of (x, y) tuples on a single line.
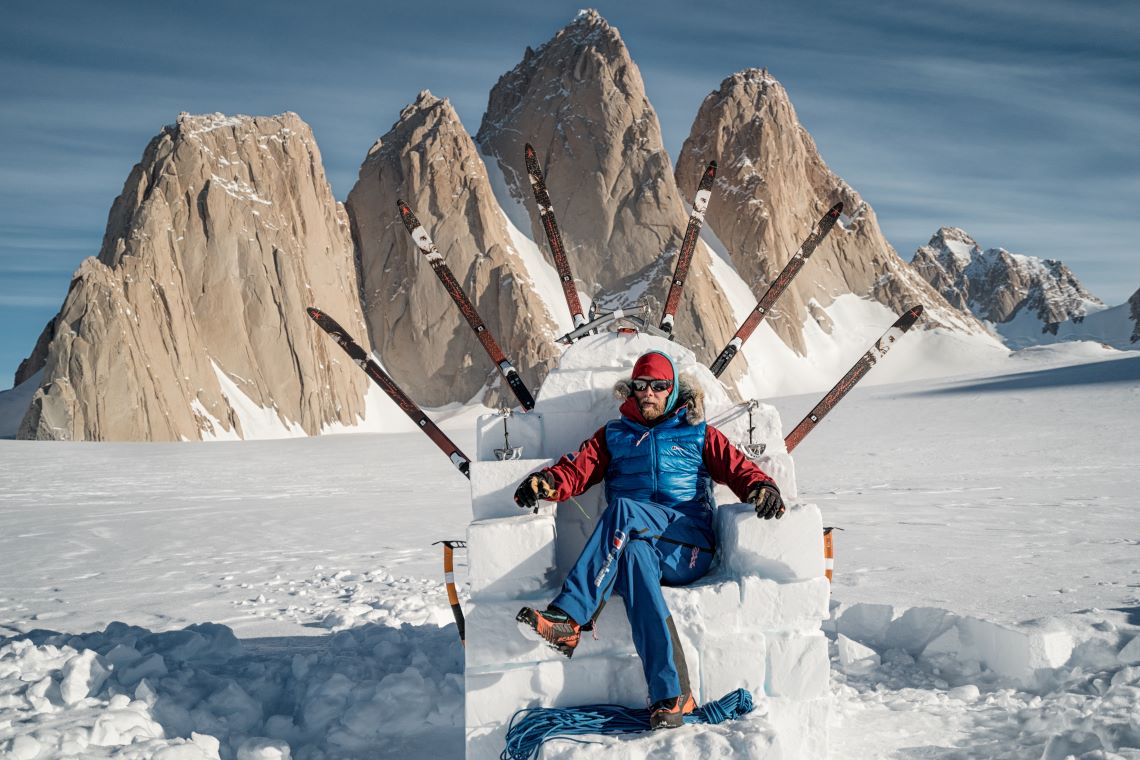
[(192, 314), (1026, 300)]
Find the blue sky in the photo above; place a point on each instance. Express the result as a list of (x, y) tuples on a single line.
[(1016, 121)]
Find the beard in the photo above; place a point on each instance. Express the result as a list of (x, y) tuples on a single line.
[(651, 409)]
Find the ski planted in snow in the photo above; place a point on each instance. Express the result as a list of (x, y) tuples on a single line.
[(546, 213), (443, 271), (778, 286), (384, 380), (854, 375), (688, 245)]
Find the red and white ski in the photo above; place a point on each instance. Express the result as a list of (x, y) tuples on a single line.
[(776, 289), (384, 380), (688, 245), (854, 375), (443, 271), (550, 225)]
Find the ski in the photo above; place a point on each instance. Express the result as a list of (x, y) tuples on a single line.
[(854, 375), (546, 213), (384, 380), (443, 271), (778, 286), (688, 245)]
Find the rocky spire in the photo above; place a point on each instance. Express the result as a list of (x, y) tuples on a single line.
[(579, 99), (428, 160), (772, 188), (194, 309)]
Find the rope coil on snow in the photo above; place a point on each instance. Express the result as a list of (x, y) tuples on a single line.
[(530, 728)]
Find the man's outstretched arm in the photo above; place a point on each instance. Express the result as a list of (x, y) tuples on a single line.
[(577, 471)]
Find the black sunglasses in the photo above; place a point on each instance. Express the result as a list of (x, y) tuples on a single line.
[(658, 385)]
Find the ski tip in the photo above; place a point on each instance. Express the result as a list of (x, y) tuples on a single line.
[(324, 321), (531, 160), (712, 166), (406, 215), (916, 310), (836, 210)]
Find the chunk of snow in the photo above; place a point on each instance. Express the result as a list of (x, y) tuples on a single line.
[(856, 658)]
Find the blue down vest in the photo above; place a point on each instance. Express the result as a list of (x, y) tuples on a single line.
[(662, 464)]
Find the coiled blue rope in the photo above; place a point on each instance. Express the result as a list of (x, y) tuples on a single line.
[(529, 728)]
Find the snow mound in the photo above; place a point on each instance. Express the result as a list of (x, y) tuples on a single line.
[(1048, 689), (199, 692)]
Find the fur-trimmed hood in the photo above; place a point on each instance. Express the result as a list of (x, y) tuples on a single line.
[(689, 396)]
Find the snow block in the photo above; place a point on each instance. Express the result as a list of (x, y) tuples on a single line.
[(493, 696), (917, 627), (493, 487), (792, 606), (523, 430), (732, 660), (495, 640), (751, 603), (802, 726), (782, 469), (1017, 652), (510, 556), (866, 623), (798, 666), (787, 549), (854, 657), (566, 429)]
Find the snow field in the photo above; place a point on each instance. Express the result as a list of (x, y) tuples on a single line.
[(995, 499)]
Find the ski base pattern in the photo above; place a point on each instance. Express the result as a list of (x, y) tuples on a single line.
[(553, 235), (854, 375), (443, 271), (776, 289), (688, 245), (381, 378)]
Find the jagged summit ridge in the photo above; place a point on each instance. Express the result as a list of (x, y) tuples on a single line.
[(998, 285)]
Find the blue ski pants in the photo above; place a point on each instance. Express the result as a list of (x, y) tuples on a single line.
[(637, 547)]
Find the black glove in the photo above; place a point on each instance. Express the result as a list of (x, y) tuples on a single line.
[(537, 485), (766, 499)]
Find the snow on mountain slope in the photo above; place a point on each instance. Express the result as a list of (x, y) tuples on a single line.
[(1113, 326), (837, 335)]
